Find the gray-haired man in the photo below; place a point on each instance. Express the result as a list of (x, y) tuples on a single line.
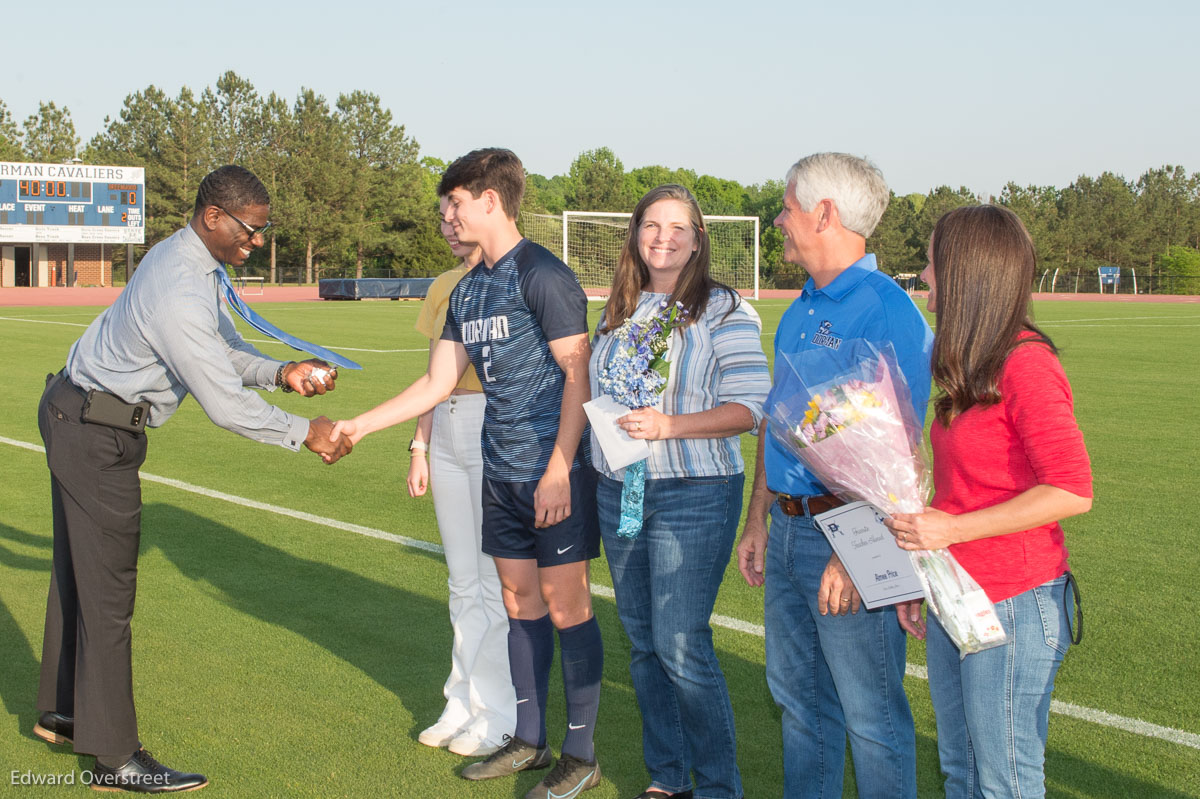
[(832, 669)]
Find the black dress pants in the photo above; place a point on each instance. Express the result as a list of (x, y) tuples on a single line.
[(97, 501)]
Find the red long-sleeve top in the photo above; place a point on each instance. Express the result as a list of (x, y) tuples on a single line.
[(992, 454)]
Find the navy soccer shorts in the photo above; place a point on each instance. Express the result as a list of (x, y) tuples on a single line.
[(508, 522)]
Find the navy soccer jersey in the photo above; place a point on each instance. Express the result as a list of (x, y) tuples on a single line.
[(504, 317)]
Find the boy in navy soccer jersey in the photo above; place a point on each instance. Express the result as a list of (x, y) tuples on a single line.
[(520, 317)]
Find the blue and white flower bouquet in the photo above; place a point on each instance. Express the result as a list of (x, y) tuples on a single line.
[(634, 378), (638, 372)]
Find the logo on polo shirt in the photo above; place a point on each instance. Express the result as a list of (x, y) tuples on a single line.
[(824, 338)]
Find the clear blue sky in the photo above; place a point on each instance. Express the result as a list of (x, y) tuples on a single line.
[(1034, 92)]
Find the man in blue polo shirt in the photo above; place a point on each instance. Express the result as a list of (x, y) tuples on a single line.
[(833, 668)]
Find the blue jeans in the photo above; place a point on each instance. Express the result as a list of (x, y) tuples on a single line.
[(832, 676), (993, 707), (666, 582)]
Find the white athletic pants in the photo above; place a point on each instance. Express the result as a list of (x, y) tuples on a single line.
[(479, 692)]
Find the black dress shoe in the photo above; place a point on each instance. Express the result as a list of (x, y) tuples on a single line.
[(55, 728), (143, 774), (655, 793)]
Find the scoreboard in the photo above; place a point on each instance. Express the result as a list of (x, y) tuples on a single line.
[(72, 203)]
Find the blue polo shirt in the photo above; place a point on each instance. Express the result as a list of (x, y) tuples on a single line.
[(861, 302)]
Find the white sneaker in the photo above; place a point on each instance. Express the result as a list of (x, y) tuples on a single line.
[(440, 734), (469, 745)]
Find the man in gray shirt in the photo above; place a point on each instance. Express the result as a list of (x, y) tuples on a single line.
[(166, 336)]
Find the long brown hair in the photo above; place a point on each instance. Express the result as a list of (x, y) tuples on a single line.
[(632, 275), (984, 264)]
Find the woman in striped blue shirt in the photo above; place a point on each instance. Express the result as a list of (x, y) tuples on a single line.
[(666, 577)]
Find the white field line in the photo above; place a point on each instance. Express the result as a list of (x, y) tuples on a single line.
[(1165, 321), (67, 311), (334, 346), (251, 340), (1053, 324), (40, 321), (1167, 325), (1116, 319), (1103, 718)]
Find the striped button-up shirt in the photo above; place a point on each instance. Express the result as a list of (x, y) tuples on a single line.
[(716, 360), (168, 335)]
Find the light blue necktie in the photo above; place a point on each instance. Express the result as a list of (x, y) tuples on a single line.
[(263, 326)]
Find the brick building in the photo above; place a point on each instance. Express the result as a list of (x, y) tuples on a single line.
[(56, 265)]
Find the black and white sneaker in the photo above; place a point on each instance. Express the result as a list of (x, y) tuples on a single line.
[(569, 778), (516, 755)]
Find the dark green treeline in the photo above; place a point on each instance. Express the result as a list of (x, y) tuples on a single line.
[(352, 195)]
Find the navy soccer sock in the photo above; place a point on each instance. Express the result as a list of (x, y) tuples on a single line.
[(530, 653), (582, 668)]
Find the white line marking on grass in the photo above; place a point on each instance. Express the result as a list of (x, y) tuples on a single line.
[(370, 532), (334, 346), (1168, 325), (1116, 319), (251, 340), (1103, 718), (12, 442), (1135, 726), (730, 623), (1117, 327), (40, 321)]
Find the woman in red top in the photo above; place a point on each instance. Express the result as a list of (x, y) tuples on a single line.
[(1009, 463)]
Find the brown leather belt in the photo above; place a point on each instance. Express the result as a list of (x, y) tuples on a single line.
[(817, 503)]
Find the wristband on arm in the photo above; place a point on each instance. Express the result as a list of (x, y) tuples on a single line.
[(279, 381)]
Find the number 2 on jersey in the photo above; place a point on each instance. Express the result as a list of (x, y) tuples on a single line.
[(487, 364)]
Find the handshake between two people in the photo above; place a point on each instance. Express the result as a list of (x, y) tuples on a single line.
[(310, 378), (322, 440)]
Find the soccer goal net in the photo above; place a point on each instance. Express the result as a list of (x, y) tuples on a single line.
[(590, 243)]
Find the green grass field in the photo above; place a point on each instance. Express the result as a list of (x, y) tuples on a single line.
[(287, 656)]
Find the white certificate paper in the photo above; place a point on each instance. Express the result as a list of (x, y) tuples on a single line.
[(619, 449), (880, 570)]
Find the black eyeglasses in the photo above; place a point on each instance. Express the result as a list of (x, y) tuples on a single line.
[(250, 231)]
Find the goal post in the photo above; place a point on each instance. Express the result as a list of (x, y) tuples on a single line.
[(590, 243)]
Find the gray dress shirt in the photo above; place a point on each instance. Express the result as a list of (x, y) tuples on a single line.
[(169, 335)]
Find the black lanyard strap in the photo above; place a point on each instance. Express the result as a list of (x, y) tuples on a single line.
[(1075, 629)]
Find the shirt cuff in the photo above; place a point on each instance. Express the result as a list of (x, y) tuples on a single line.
[(297, 432), (265, 377)]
